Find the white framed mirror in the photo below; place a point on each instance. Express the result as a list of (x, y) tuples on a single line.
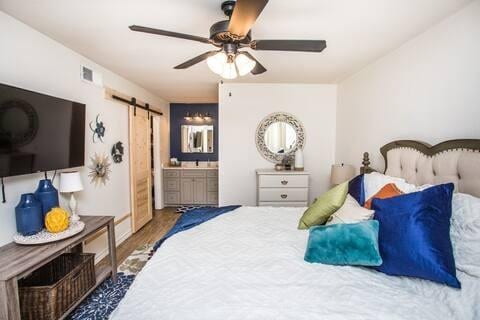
[(278, 135)]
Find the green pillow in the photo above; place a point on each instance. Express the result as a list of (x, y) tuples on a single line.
[(345, 244), (324, 206)]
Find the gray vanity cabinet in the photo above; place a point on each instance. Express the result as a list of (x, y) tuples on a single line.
[(187, 191), (200, 191), (190, 186)]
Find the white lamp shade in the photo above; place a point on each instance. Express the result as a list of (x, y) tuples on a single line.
[(70, 182), (341, 173), (244, 64), (217, 62), (230, 71)]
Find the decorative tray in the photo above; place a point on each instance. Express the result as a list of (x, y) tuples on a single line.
[(45, 237)]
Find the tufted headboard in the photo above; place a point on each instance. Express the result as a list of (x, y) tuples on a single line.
[(456, 161)]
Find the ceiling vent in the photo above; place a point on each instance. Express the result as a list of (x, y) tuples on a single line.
[(91, 76)]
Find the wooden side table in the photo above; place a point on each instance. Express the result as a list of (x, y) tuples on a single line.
[(17, 261)]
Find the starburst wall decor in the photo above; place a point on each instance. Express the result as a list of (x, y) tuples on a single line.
[(99, 169)]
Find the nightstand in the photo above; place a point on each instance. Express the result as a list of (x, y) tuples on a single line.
[(282, 188)]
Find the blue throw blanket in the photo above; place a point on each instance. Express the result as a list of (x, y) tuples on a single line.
[(193, 218)]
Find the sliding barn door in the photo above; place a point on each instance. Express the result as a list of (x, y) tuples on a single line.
[(140, 168)]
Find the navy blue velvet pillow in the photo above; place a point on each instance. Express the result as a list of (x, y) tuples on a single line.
[(414, 235), (356, 188)]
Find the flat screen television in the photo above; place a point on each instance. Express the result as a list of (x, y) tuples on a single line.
[(39, 132)]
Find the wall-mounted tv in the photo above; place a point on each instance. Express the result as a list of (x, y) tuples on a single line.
[(39, 132)]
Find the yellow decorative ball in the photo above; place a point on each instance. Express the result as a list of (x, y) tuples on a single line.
[(57, 220)]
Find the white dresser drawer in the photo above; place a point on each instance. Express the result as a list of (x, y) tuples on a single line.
[(282, 188), (283, 204), (282, 194), (283, 181)]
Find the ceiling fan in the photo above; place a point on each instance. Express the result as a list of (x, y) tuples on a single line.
[(229, 36)]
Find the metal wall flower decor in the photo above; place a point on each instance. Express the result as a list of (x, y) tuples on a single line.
[(99, 169), (98, 129), (117, 152)]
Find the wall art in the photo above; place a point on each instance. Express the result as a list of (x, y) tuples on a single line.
[(99, 169), (98, 129), (117, 152)]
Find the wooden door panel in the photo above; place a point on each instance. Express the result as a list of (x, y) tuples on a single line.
[(140, 168)]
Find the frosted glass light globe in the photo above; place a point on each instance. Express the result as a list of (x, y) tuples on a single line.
[(244, 64), (217, 62), (230, 71)]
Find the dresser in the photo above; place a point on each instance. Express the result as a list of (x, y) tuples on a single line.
[(282, 188), (190, 186)]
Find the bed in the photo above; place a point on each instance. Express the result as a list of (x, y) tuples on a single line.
[(248, 263)]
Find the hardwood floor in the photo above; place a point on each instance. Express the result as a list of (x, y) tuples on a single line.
[(163, 220)]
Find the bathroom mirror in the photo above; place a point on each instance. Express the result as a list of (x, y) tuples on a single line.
[(278, 135), (197, 138)]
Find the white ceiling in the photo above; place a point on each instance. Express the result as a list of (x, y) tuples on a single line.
[(357, 33)]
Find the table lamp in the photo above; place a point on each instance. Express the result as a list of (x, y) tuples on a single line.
[(70, 182), (341, 173)]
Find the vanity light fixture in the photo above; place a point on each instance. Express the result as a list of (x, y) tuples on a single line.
[(207, 116), (188, 117), (198, 116)]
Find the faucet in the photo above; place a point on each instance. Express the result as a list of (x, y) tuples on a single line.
[(196, 162)]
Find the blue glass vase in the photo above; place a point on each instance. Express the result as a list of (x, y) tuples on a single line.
[(47, 195), (28, 214)]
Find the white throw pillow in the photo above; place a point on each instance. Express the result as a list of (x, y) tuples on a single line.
[(375, 181), (465, 233), (350, 212)]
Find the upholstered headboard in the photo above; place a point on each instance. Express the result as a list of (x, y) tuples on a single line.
[(456, 161)]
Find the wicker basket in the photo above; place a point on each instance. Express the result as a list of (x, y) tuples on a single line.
[(54, 288)]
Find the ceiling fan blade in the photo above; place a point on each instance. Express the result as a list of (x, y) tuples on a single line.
[(244, 16), (258, 69), (169, 34), (194, 61), (290, 45)]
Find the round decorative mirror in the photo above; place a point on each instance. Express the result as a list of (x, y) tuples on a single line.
[(279, 135)]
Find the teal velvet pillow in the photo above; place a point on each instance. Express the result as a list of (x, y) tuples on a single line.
[(344, 244)]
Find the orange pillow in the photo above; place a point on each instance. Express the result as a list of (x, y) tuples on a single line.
[(388, 191)]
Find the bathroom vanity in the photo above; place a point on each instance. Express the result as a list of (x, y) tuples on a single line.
[(190, 186)]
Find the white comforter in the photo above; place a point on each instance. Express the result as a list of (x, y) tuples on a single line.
[(248, 264)]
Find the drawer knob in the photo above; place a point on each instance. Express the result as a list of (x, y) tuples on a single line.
[(284, 182), (284, 196)]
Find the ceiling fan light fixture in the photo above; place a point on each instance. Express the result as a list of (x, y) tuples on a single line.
[(230, 69), (244, 64), (217, 62)]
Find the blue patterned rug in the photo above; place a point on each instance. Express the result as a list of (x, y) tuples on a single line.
[(103, 300)]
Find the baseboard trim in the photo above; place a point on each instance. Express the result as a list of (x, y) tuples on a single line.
[(104, 252), (104, 230)]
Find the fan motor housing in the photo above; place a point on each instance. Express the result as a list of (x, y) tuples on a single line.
[(227, 7), (220, 34)]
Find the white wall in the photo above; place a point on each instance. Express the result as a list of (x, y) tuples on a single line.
[(239, 116), (31, 60), (428, 89)]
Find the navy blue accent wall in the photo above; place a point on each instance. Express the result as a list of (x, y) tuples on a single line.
[(177, 112)]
